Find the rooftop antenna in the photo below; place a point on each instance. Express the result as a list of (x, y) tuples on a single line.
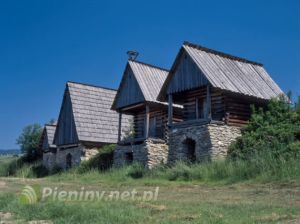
[(132, 55)]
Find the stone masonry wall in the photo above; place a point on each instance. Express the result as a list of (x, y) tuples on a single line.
[(59, 159), (212, 141), (150, 153), (49, 160)]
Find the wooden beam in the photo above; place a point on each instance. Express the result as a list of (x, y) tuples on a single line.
[(120, 127), (197, 108), (132, 107), (170, 110), (208, 102), (147, 121)]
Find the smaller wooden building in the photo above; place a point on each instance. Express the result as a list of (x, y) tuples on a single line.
[(47, 147), (86, 123), (137, 96), (216, 90)]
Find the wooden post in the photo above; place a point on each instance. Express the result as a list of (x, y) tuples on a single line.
[(147, 121), (170, 110), (120, 127), (197, 108), (208, 102)]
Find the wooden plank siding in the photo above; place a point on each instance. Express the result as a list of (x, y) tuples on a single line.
[(129, 92), (238, 110), (66, 130), (158, 123), (194, 104), (233, 110), (181, 81)]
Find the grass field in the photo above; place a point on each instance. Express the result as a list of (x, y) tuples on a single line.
[(4, 163), (6, 159), (219, 192), (177, 202)]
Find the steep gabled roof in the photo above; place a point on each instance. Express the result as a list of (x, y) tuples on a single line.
[(47, 137), (94, 121), (148, 78), (50, 130), (226, 72)]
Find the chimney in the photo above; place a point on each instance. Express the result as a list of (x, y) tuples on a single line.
[(132, 55)]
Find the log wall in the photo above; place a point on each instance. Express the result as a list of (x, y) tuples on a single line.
[(233, 110), (158, 127), (197, 98)]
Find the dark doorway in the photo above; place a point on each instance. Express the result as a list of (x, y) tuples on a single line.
[(69, 161), (190, 146), (129, 158)]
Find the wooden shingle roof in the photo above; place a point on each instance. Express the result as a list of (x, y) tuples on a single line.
[(50, 130), (226, 72), (141, 82), (150, 79), (47, 137), (92, 118)]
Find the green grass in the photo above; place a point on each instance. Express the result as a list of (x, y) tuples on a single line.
[(261, 190), (261, 169), (5, 162), (18, 167), (190, 203)]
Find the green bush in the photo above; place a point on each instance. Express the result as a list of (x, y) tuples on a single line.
[(275, 130), (20, 167), (263, 167), (181, 171), (102, 161), (136, 170)]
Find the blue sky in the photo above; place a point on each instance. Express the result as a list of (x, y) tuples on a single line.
[(45, 43)]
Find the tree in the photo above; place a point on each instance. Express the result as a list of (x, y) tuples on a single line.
[(275, 131), (29, 140)]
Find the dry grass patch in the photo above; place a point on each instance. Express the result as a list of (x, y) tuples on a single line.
[(274, 217)]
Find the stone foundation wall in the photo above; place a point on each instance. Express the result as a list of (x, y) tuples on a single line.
[(49, 160), (211, 141), (59, 159), (89, 153), (150, 153)]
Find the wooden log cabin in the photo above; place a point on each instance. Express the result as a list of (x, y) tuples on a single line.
[(216, 91), (136, 96), (86, 123)]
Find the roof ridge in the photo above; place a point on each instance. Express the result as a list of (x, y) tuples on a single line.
[(222, 54), (149, 65), (91, 85), (53, 125)]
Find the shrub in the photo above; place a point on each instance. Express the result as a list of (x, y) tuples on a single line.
[(136, 170), (20, 167), (274, 130), (180, 171), (102, 161)]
